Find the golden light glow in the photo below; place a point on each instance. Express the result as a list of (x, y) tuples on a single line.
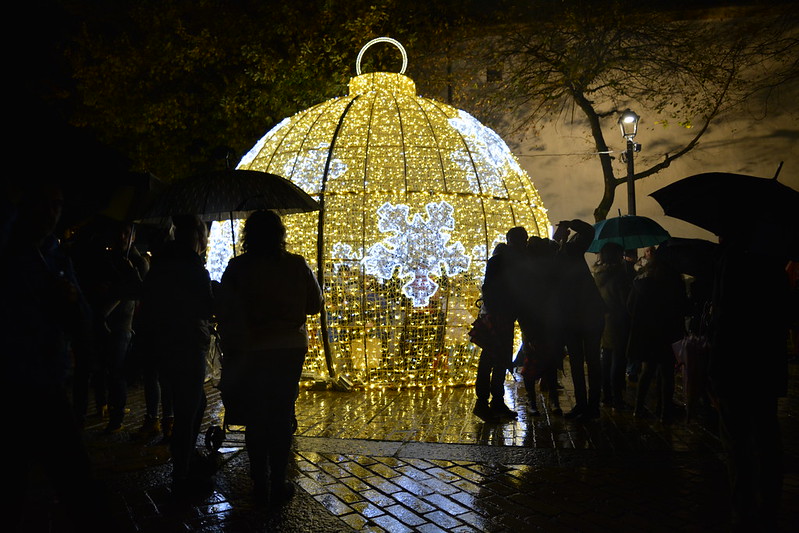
[(415, 196)]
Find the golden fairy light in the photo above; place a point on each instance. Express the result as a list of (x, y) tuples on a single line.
[(415, 195)]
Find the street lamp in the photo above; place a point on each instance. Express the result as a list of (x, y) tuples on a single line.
[(628, 123)]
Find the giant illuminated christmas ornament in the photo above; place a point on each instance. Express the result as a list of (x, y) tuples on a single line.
[(415, 195)]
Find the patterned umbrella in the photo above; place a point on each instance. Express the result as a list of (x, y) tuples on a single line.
[(630, 231), (229, 194)]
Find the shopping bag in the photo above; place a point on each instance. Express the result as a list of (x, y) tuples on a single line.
[(483, 332), (692, 353)]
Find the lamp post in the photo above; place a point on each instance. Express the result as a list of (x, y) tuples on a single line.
[(628, 123)]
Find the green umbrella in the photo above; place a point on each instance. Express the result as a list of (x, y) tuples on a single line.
[(630, 231)]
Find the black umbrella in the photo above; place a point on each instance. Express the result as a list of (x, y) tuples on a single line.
[(717, 201), (229, 194), (131, 198), (695, 257), (729, 204)]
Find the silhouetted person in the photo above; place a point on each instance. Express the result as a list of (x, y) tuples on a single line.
[(157, 391), (582, 316), (614, 282), (502, 299), (42, 314), (658, 307), (176, 308), (115, 313), (543, 356), (748, 372), (264, 298)]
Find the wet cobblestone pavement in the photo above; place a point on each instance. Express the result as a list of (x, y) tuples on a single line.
[(418, 460)]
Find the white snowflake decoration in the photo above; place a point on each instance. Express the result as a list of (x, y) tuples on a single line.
[(491, 155), (345, 252), (418, 247), (307, 170)]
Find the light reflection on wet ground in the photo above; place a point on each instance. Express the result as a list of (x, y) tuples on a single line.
[(418, 460)]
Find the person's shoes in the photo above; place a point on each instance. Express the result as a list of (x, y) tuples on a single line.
[(503, 411), (483, 412), (281, 493), (214, 438), (532, 410), (576, 412), (114, 426), (149, 429)]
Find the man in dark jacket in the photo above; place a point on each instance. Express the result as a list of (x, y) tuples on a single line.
[(748, 371), (176, 309), (501, 298)]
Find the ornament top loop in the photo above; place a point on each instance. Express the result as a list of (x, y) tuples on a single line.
[(382, 40)]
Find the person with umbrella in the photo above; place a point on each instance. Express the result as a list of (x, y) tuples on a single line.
[(658, 305), (750, 315), (174, 320), (748, 369), (614, 283), (264, 299)]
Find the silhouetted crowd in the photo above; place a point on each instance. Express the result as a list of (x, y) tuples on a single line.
[(85, 314), (627, 321), (79, 314)]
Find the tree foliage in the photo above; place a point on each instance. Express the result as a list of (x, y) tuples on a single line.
[(176, 83)]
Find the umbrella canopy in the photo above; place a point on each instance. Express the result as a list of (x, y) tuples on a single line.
[(230, 194), (132, 198), (630, 231), (695, 257), (717, 201), (762, 211)]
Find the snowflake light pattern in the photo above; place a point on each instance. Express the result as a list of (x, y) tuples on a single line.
[(418, 247), (307, 171), (344, 252), (493, 159)]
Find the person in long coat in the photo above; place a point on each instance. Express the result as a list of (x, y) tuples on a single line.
[(614, 283), (264, 298), (175, 322), (658, 307)]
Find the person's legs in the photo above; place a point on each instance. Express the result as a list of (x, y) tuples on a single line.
[(606, 356), (482, 382), (118, 346), (644, 381), (618, 382), (272, 382), (503, 359), (591, 343), (186, 376), (576, 350)]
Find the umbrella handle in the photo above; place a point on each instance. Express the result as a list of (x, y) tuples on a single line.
[(232, 234)]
